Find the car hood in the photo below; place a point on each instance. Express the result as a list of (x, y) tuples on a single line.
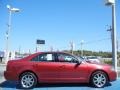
[(100, 65)]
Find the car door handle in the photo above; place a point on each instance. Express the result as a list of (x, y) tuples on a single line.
[(35, 65), (62, 66)]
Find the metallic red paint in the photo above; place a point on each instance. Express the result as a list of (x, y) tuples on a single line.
[(52, 72)]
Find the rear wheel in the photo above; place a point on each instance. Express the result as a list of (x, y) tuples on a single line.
[(28, 80), (99, 79)]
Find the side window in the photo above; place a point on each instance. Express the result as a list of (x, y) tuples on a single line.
[(44, 57), (66, 58)]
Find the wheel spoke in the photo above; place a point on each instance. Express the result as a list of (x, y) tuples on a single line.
[(95, 77)]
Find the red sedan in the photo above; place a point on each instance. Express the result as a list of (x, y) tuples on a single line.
[(57, 67)]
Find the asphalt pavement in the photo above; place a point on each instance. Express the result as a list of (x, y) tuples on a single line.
[(2, 69), (9, 85)]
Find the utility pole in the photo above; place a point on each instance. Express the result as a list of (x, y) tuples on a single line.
[(51, 48), (19, 50), (72, 47), (81, 43), (110, 30)]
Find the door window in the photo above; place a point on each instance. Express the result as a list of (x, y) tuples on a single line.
[(66, 58), (44, 57)]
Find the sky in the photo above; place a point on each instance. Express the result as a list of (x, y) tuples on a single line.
[(58, 22)]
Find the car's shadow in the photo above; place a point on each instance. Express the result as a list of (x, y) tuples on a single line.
[(12, 84)]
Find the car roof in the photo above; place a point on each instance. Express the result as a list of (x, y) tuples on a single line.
[(51, 52)]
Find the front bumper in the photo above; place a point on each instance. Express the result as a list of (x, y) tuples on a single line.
[(112, 76)]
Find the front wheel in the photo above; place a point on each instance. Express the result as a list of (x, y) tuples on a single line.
[(99, 79), (28, 80)]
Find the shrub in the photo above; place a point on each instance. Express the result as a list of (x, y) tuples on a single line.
[(108, 62)]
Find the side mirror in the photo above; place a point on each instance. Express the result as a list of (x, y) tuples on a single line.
[(79, 62)]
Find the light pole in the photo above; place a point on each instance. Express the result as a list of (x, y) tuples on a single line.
[(11, 10), (114, 41)]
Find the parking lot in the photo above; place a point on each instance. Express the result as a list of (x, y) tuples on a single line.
[(10, 85)]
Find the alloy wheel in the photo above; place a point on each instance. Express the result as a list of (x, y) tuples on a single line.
[(99, 79), (28, 80)]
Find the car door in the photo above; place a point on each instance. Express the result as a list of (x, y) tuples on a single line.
[(71, 70), (46, 67)]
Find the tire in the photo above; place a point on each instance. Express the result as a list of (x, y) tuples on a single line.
[(99, 79), (28, 80)]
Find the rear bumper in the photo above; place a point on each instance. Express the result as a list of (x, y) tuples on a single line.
[(10, 75)]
